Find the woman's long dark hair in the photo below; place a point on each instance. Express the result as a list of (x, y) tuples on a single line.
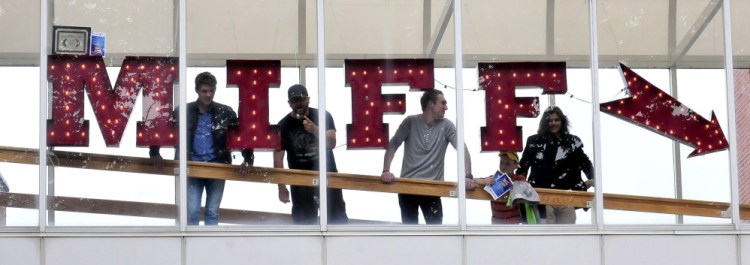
[(544, 125)]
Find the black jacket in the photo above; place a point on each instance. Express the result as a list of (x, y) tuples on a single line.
[(223, 118), (555, 162)]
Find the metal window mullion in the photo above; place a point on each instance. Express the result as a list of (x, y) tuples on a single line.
[(594, 46), (322, 157), (182, 50), (734, 204), (459, 115), (676, 154), (43, 101)]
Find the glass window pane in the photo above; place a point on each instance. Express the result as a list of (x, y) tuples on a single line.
[(107, 108), (518, 79), (19, 171), (256, 50), (669, 85), (741, 51), (382, 56)]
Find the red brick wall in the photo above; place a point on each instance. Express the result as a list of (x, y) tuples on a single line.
[(742, 110)]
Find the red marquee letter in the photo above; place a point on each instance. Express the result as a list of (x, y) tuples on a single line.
[(369, 104), (499, 80), (112, 107), (254, 78)]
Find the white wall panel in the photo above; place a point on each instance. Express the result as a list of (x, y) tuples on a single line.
[(254, 250), (581, 250), (120, 250), (744, 254), (19, 250), (670, 249), (394, 250)]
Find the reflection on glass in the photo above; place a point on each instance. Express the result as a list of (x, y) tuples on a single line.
[(299, 144), (373, 89), (99, 170), (687, 35), (246, 43), (248, 199), (19, 181), (544, 64), (741, 45), (19, 184)]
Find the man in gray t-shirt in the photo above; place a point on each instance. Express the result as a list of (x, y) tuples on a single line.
[(427, 136)]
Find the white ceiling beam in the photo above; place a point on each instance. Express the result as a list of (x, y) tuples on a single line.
[(442, 25), (302, 27), (695, 31), (426, 27), (550, 27)]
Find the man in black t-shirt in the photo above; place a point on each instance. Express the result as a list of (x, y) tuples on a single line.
[(299, 138)]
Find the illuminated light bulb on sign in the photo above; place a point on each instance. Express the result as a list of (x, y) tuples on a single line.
[(369, 104), (501, 132), (78, 77), (659, 112), (258, 77)]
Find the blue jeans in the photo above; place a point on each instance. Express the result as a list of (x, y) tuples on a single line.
[(214, 192)]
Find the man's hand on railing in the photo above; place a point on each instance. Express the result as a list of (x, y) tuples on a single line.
[(283, 194), (158, 161), (589, 183), (387, 176), (470, 184), (245, 168)]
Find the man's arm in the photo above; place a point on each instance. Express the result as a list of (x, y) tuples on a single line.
[(330, 139), (452, 138), (401, 134), (247, 163), (153, 151), (156, 159), (470, 184), (278, 162), (467, 161), (387, 176)]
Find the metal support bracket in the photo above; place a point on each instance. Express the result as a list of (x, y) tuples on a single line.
[(727, 213)]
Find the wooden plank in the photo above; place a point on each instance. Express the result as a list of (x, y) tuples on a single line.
[(144, 209), (363, 182), (664, 205)]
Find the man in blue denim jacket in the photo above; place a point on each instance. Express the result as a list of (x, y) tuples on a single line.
[(207, 125)]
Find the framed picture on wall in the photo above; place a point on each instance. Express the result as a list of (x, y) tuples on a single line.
[(71, 40)]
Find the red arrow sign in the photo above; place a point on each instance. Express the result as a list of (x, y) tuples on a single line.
[(651, 108)]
